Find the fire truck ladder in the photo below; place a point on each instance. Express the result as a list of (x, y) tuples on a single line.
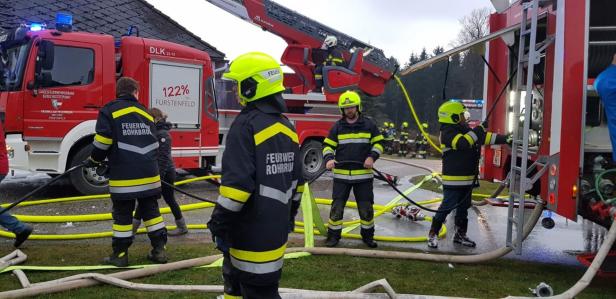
[(519, 183)]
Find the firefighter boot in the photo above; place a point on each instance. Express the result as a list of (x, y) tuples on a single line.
[(158, 239), (181, 228), (136, 224), (119, 257), (333, 236), (22, 236), (460, 237), (367, 236)]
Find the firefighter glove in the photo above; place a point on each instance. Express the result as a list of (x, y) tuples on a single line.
[(509, 139), (89, 163), (484, 124)]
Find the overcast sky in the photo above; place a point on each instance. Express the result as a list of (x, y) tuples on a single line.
[(398, 27)]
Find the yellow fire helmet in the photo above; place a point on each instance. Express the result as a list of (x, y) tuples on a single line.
[(405, 125), (349, 99), (257, 75), (424, 125), (450, 112)]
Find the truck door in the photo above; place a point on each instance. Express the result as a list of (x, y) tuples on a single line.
[(66, 95)]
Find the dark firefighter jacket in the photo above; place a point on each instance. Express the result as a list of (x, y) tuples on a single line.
[(460, 145), (165, 159), (125, 135), (353, 142), (328, 57), (261, 187)]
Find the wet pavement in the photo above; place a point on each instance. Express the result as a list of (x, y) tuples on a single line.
[(487, 224)]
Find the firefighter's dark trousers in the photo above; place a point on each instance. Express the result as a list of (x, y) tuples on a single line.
[(123, 222), (168, 195), (241, 284), (451, 197), (364, 198)]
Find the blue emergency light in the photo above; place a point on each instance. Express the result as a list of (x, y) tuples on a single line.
[(64, 22), (36, 27)]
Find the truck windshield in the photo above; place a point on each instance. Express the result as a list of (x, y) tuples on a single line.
[(13, 60)]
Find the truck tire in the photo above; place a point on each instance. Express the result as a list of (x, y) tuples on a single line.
[(311, 154), (85, 180)]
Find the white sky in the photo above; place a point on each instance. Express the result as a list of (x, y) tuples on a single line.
[(398, 27)]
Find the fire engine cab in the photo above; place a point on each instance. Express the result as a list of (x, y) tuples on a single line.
[(53, 82)]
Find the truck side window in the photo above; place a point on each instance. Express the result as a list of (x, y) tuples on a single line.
[(72, 66)]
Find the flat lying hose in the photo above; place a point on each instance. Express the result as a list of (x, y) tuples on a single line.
[(15, 203), (460, 259)]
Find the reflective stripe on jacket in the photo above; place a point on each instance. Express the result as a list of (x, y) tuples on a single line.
[(260, 189), (353, 142), (460, 145), (125, 135)]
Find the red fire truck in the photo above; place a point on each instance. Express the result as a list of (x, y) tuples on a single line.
[(54, 81), (556, 113)]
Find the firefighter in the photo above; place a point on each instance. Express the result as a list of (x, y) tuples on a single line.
[(460, 146), (167, 174), (605, 84), (395, 140), (353, 138), (328, 55), (387, 138), (124, 135), (404, 138), (21, 230), (421, 144), (261, 183)]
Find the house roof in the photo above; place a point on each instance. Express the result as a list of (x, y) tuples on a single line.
[(112, 17)]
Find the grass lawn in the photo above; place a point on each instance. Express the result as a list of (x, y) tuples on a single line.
[(489, 280)]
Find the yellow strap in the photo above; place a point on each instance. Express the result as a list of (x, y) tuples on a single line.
[(454, 142), (330, 142), (469, 139), (457, 177), (134, 182), (354, 136), (274, 130), (377, 138), (128, 110), (300, 189), (258, 256), (332, 222), (367, 222), (122, 228), (233, 193), (361, 171), (488, 138), (153, 221), (227, 296), (103, 139)]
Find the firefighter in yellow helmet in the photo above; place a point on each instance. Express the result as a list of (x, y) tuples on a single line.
[(421, 143), (460, 145), (404, 139), (125, 135), (261, 182), (353, 144)]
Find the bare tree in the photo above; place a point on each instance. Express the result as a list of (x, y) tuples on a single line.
[(474, 26)]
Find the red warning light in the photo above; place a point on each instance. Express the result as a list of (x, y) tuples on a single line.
[(552, 199)]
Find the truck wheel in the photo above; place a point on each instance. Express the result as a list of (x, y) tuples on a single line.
[(312, 158), (85, 180)]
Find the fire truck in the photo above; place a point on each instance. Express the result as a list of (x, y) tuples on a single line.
[(542, 59), (54, 81), (366, 69)]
